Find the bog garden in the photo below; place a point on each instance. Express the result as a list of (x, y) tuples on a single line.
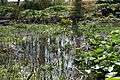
[(60, 40)]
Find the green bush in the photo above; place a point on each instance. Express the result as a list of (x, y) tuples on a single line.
[(66, 21), (30, 13), (6, 11), (36, 4), (20, 26), (58, 10)]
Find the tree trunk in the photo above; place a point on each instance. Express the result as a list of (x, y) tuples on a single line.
[(41, 58), (18, 2), (74, 22), (2, 2), (77, 13)]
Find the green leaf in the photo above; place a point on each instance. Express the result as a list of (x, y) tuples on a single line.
[(112, 74), (117, 63), (115, 78), (103, 42), (93, 41), (110, 50), (88, 71), (102, 58), (99, 50), (115, 32), (96, 67), (97, 61), (110, 69)]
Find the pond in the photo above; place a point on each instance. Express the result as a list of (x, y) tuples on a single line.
[(38, 56), (42, 52)]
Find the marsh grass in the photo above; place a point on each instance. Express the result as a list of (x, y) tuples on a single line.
[(34, 51), (39, 52)]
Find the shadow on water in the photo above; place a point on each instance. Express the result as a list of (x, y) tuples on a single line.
[(39, 57)]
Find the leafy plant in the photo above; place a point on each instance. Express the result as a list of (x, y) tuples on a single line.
[(66, 21), (103, 56), (6, 11)]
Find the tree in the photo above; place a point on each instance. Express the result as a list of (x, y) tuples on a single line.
[(18, 2), (43, 44), (36, 4), (17, 9), (3, 1), (77, 14)]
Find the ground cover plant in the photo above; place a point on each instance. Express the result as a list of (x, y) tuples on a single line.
[(102, 56)]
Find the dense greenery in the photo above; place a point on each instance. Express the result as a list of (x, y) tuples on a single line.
[(99, 53), (58, 10), (102, 56), (6, 11), (57, 40)]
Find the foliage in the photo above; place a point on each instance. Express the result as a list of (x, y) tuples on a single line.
[(89, 6), (58, 2), (29, 13), (65, 21), (117, 78), (36, 4), (102, 56), (15, 35), (58, 10), (18, 31), (7, 12), (101, 51)]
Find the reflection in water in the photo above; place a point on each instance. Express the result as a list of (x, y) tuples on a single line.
[(44, 58), (41, 58)]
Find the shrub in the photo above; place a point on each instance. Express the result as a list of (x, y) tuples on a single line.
[(58, 10), (36, 5), (65, 21), (6, 11)]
